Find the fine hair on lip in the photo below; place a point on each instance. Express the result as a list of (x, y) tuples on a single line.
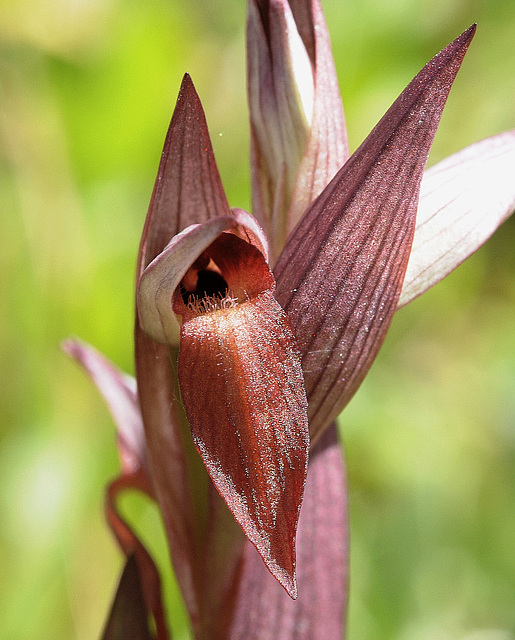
[(208, 304)]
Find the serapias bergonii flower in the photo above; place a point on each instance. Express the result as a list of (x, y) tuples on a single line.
[(338, 280), (239, 374)]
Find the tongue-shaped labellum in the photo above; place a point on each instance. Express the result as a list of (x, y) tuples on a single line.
[(243, 390)]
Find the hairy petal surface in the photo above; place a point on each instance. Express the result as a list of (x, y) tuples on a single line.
[(242, 387), (263, 610), (463, 200), (240, 377), (340, 275)]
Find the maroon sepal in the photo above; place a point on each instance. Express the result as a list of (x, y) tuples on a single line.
[(340, 275)]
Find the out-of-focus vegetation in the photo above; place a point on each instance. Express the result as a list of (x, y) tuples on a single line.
[(86, 93)]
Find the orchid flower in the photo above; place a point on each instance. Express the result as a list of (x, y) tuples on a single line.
[(253, 332)]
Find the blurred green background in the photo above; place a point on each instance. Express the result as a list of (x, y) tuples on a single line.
[(86, 93)]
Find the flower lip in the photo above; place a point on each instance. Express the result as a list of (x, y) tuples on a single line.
[(242, 387)]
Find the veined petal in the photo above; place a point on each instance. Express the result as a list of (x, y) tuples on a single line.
[(340, 275), (241, 383), (463, 200), (188, 188), (322, 561)]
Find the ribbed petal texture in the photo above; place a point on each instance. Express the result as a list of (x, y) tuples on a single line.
[(340, 275)]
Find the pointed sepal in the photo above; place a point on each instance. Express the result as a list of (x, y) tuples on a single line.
[(188, 188), (340, 275)]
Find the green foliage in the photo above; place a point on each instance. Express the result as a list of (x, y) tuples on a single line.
[(86, 93)]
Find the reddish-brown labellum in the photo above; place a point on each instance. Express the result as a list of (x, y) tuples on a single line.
[(242, 387)]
